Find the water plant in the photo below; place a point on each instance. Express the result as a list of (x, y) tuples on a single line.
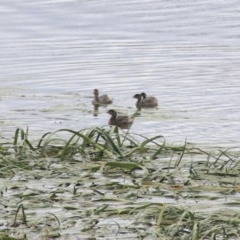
[(106, 183)]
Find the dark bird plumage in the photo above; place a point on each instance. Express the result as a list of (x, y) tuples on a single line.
[(145, 102), (121, 121)]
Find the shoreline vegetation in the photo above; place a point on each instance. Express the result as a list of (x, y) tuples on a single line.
[(106, 183)]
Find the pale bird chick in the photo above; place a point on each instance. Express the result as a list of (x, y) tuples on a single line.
[(100, 100)]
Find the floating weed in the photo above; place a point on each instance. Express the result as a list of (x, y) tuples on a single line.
[(106, 183), (6, 237), (129, 166)]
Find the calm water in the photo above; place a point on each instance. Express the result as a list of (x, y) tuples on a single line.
[(187, 53)]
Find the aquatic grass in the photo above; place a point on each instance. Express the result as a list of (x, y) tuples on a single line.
[(142, 146), (100, 142), (77, 143), (187, 225), (24, 217), (6, 237), (130, 166), (21, 142), (10, 165), (100, 180), (221, 163)]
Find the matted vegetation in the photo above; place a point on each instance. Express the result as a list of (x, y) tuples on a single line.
[(104, 183)]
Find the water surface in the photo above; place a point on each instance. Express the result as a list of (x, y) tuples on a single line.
[(54, 53)]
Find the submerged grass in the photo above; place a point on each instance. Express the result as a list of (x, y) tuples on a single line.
[(105, 183)]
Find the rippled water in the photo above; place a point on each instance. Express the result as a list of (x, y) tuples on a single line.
[(53, 53)]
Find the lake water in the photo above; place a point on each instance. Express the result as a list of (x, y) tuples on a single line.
[(186, 53)]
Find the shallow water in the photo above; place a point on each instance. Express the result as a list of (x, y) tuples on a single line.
[(54, 53)]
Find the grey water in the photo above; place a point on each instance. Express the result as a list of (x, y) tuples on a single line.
[(186, 53)]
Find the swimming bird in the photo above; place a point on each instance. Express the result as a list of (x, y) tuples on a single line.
[(100, 100), (145, 102), (121, 121), (148, 102)]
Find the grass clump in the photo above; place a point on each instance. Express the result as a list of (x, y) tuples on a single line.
[(99, 142)]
